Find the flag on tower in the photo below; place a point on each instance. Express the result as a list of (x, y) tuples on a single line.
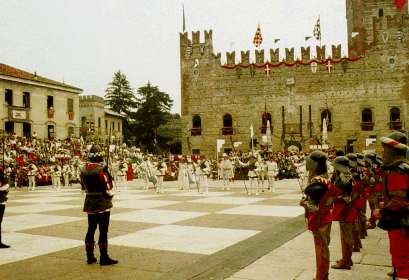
[(400, 4), (184, 20), (258, 39), (317, 30)]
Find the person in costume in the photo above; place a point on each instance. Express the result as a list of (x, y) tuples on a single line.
[(97, 182), (32, 174), (344, 210), (318, 201), (226, 168), (394, 212), (272, 172), (4, 189), (205, 170)]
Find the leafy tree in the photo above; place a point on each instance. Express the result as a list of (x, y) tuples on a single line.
[(119, 94), (153, 111)]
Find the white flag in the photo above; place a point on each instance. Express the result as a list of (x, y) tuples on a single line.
[(219, 144), (251, 131)]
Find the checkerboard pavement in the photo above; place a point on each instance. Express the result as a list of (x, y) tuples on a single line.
[(152, 235)]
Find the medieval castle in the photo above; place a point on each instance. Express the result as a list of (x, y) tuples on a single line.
[(361, 97)]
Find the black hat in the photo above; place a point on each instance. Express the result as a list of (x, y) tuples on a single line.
[(353, 159), (339, 153), (341, 164), (370, 156), (96, 154), (316, 191), (396, 140), (317, 156)]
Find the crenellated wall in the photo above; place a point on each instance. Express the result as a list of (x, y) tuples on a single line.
[(297, 90)]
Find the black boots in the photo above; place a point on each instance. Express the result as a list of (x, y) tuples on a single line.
[(104, 258), (89, 248), (3, 246)]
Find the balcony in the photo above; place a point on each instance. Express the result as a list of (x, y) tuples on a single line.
[(227, 131), (71, 116), (196, 131), (50, 113), (367, 126), (395, 125)]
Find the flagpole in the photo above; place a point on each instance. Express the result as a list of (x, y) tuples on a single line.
[(319, 19)]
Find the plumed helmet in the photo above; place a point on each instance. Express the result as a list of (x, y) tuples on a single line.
[(316, 191), (370, 156), (96, 154), (396, 140), (341, 164)]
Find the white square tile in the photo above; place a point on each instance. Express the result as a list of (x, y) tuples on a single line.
[(196, 194), (290, 196), (28, 221), (37, 208), (44, 199), (265, 210), (24, 246), (156, 216), (143, 204), (188, 239), (133, 196), (229, 200)]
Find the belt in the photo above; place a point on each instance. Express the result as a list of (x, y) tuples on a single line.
[(94, 193)]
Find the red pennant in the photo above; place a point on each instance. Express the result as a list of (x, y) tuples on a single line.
[(400, 3)]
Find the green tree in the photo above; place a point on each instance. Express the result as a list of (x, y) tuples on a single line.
[(119, 95), (153, 111)]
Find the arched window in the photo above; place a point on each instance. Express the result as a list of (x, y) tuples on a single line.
[(395, 115), (196, 125), (227, 125), (367, 121), (366, 115), (227, 121), (395, 123), (326, 114), (264, 118)]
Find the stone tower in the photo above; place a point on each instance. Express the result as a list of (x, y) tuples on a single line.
[(362, 18)]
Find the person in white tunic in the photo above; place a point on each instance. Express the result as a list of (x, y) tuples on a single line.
[(66, 173), (32, 173), (183, 180), (191, 172), (204, 175), (56, 176), (162, 167), (226, 168), (261, 170), (253, 185), (272, 172)]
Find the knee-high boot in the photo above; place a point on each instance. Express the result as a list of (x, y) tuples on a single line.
[(89, 249), (105, 259)]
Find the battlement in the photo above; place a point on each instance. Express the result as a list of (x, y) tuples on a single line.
[(195, 39), (290, 57), (91, 98)]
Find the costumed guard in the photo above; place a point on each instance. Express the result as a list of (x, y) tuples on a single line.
[(252, 176), (97, 182), (226, 167), (56, 176), (162, 167), (183, 180), (320, 195), (32, 173), (261, 171), (66, 173), (376, 193), (394, 212), (344, 209), (4, 189), (272, 172), (204, 175)]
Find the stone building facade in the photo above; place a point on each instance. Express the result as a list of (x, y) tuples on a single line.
[(99, 121), (34, 104), (361, 97)]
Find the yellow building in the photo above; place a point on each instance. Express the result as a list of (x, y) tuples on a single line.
[(35, 104), (98, 120)]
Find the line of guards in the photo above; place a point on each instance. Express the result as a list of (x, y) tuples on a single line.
[(343, 195)]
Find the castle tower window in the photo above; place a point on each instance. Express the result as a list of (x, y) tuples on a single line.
[(227, 125), (395, 122), (99, 122), (326, 114), (264, 118), (8, 97), (380, 12), (367, 123), (196, 125), (26, 99), (9, 127), (83, 120)]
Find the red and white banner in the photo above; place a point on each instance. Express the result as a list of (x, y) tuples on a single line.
[(400, 4)]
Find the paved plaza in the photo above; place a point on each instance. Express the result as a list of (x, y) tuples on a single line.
[(175, 235)]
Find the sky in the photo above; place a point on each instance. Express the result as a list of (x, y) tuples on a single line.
[(83, 42)]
